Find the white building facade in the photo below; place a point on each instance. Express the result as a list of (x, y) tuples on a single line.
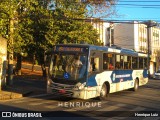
[(134, 36), (104, 29), (154, 38), (131, 36)]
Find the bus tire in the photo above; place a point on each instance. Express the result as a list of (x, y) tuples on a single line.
[(103, 92), (136, 85)]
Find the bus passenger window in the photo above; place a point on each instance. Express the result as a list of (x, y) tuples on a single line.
[(121, 63), (140, 63), (108, 61), (127, 62), (111, 66), (134, 62), (94, 64), (145, 63), (117, 65)]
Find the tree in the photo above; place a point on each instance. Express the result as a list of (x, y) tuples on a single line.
[(69, 25), (58, 26), (38, 27), (93, 8), (8, 11), (15, 26), (100, 8)]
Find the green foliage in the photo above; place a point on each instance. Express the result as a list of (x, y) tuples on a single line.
[(67, 27), (37, 28)]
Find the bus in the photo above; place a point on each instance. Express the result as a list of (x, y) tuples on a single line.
[(88, 71)]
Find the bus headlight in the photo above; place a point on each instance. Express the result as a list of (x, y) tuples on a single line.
[(82, 86), (49, 82), (79, 86), (76, 88)]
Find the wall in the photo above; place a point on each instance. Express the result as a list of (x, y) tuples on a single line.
[(3, 62), (124, 35)]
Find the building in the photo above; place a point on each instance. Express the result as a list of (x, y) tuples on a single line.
[(154, 37), (131, 36), (135, 36), (105, 30)]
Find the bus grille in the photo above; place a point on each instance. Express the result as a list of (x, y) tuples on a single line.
[(62, 89)]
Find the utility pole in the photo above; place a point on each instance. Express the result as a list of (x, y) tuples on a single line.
[(149, 24), (148, 42), (110, 35)]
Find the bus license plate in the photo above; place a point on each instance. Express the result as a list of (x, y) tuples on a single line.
[(62, 91)]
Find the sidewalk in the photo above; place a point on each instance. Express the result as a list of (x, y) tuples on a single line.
[(25, 85)]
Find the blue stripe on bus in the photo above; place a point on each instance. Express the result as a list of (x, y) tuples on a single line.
[(145, 75), (92, 81), (116, 76), (121, 75)]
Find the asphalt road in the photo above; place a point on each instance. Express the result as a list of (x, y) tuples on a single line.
[(143, 104)]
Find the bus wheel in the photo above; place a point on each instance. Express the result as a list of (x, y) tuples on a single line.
[(103, 92), (136, 85)]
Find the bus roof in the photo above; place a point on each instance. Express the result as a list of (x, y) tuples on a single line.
[(113, 49)]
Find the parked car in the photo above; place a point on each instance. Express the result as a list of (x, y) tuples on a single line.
[(157, 75)]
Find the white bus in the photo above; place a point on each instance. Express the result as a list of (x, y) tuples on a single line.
[(88, 71)]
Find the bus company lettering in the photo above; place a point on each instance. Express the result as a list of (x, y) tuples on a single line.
[(123, 76)]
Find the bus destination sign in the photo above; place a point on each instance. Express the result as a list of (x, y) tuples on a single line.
[(72, 49)]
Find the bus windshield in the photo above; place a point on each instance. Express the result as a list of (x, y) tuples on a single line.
[(68, 66)]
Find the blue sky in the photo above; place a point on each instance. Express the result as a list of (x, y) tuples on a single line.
[(138, 10)]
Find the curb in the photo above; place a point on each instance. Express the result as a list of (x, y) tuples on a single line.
[(4, 95)]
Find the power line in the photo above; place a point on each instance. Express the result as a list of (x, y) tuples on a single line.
[(144, 4), (141, 5), (149, 1)]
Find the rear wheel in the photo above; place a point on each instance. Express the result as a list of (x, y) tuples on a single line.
[(103, 92), (136, 85)]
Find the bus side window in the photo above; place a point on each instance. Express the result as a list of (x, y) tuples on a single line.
[(127, 62), (117, 61), (145, 63), (118, 65), (94, 64), (105, 61), (121, 62), (108, 61), (140, 63), (134, 62)]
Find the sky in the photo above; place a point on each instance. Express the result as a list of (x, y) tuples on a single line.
[(138, 10)]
